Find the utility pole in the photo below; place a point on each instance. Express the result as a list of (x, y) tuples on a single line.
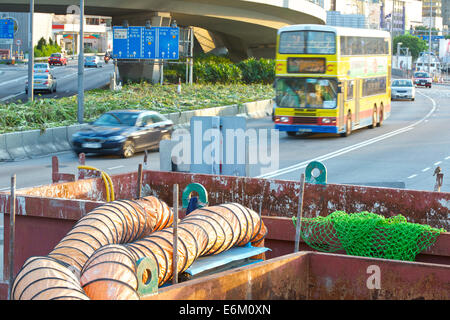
[(392, 28), (81, 66), (429, 40), (392, 20), (31, 54)]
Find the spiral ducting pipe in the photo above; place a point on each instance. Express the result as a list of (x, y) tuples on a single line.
[(110, 273), (116, 222), (57, 275)]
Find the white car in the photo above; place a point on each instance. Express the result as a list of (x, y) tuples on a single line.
[(403, 89), (43, 82), (41, 68)]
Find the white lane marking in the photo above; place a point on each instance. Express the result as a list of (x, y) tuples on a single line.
[(118, 167), (333, 154), (14, 80), (12, 96), (412, 176), (447, 158), (339, 152), (437, 163), (426, 169), (3, 189)]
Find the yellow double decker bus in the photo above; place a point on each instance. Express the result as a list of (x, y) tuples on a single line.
[(331, 79)]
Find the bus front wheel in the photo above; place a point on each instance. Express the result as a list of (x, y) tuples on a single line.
[(348, 126)]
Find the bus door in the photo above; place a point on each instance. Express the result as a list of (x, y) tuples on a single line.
[(343, 105), (357, 90), (347, 102)]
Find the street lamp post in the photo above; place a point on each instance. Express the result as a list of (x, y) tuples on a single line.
[(31, 54), (429, 40), (81, 66), (398, 48)]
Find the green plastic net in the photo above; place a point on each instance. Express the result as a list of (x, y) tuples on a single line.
[(368, 234)]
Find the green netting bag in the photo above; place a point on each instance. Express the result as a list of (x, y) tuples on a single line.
[(368, 234)]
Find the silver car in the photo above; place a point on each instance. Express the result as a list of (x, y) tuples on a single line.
[(403, 89), (43, 82), (41, 68), (92, 61)]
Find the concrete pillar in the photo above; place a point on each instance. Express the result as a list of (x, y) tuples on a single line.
[(138, 71), (263, 51), (237, 49)]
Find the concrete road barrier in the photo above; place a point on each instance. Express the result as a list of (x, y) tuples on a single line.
[(33, 143), (61, 139), (14, 145), (4, 154)]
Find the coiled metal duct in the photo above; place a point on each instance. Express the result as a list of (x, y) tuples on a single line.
[(110, 273), (121, 221), (44, 278)]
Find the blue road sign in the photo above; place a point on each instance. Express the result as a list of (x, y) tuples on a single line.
[(433, 38), (149, 43), (120, 43), (168, 43), (7, 29), (144, 43)]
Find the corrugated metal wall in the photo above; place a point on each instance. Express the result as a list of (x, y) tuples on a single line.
[(42, 28)]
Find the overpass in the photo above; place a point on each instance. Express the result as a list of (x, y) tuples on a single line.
[(245, 27)]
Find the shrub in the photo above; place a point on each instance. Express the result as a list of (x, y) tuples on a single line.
[(220, 69), (257, 71)]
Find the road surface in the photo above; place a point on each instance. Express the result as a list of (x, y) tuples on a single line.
[(13, 78), (403, 152)]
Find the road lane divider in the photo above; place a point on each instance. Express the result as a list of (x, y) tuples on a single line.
[(354, 147)]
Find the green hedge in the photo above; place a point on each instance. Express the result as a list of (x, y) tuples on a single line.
[(220, 69), (257, 71)]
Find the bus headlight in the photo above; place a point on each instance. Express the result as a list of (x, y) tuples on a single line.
[(328, 120), (284, 119)]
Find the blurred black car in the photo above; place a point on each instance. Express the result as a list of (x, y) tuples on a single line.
[(123, 132)]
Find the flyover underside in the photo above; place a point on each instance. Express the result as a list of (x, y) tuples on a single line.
[(245, 28)]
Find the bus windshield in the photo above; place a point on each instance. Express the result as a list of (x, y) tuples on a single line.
[(306, 93), (311, 42)]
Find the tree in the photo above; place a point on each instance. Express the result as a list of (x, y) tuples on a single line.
[(415, 44), (41, 43), (425, 30), (44, 49)]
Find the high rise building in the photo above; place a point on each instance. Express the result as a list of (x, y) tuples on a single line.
[(432, 13), (376, 14), (446, 13)]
